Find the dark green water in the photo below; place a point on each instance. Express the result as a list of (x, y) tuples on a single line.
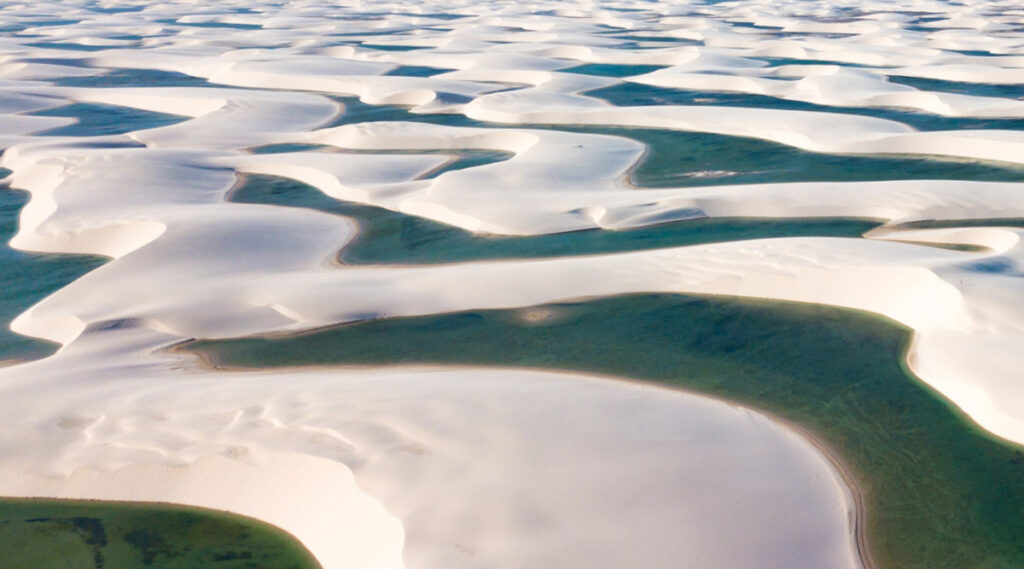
[(940, 493), (391, 237), (64, 534), (28, 278)]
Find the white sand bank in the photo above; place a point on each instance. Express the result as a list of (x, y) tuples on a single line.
[(482, 468), (503, 468)]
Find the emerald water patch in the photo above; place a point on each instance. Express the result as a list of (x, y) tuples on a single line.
[(95, 119), (28, 278), (612, 70)]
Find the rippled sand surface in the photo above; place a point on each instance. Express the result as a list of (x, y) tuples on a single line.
[(449, 157)]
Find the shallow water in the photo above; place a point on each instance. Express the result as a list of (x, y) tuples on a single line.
[(28, 278), (134, 78), (941, 494), (416, 71), (211, 24), (928, 472), (979, 89), (612, 70), (95, 119), (70, 46), (679, 159), (630, 94), (676, 159)]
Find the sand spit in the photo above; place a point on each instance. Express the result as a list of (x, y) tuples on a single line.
[(314, 499), (289, 285), (501, 468)]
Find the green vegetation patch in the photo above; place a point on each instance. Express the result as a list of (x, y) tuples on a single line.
[(64, 534)]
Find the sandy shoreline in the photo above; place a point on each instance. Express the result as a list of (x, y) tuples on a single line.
[(140, 479), (369, 467), (198, 509), (856, 491)]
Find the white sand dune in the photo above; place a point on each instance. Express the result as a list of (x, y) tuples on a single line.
[(533, 193), (338, 523), (844, 87), (541, 467), (446, 468)]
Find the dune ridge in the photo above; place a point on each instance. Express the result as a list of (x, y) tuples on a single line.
[(397, 483)]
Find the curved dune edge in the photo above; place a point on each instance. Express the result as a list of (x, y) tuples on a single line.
[(188, 264), (510, 492), (996, 240), (940, 294), (315, 500)]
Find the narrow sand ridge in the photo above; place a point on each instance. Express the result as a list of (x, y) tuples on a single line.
[(497, 468), (534, 193)]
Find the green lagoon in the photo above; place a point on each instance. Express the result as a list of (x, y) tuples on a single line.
[(940, 493)]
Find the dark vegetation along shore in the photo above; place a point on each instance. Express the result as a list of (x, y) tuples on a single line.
[(938, 493), (75, 534), (69, 534)]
